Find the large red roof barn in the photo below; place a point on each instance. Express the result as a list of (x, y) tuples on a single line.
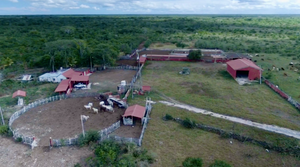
[(243, 68)]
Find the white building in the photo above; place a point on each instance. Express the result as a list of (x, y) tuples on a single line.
[(53, 76)]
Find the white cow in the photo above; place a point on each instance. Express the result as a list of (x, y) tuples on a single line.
[(108, 108)]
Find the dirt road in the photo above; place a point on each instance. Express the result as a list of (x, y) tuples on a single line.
[(270, 128)]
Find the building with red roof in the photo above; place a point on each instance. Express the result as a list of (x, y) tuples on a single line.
[(242, 68), (136, 111), (19, 93), (70, 72), (63, 86)]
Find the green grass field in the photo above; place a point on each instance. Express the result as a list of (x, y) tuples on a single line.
[(171, 143), (211, 88)]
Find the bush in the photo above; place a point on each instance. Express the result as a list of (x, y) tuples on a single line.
[(188, 123), (19, 139), (4, 130), (195, 55), (192, 162), (90, 136), (168, 117), (219, 163)]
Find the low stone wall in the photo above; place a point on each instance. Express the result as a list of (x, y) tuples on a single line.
[(291, 150)]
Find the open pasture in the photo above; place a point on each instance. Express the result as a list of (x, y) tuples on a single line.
[(210, 87), (61, 119)]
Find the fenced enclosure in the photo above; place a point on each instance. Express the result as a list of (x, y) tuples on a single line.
[(16, 115)]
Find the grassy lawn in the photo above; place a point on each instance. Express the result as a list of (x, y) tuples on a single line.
[(289, 83), (171, 143), (208, 88)]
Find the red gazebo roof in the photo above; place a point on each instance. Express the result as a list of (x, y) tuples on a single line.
[(63, 86), (135, 111), (19, 93)]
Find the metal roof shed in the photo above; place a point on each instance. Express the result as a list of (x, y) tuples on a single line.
[(242, 68)]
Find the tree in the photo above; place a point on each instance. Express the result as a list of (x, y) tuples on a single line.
[(195, 55)]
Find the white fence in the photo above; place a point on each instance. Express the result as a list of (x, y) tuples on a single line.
[(16, 115), (74, 141)]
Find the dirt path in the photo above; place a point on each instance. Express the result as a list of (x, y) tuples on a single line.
[(270, 128)]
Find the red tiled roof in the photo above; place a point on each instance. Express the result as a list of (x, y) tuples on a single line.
[(19, 93), (70, 72), (242, 63), (63, 86), (80, 78), (135, 111)]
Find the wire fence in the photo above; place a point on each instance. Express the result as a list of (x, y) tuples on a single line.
[(283, 94), (28, 139)]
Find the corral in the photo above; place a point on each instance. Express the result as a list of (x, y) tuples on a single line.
[(61, 119)]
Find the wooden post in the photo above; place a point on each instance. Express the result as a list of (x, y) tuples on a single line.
[(50, 142), (3, 123), (82, 126)]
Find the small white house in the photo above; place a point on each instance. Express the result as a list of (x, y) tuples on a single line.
[(53, 76)]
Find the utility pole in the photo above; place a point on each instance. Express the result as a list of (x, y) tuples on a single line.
[(3, 123)]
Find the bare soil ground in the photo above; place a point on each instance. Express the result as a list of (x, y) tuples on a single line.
[(20, 155), (129, 131), (61, 119), (108, 80)]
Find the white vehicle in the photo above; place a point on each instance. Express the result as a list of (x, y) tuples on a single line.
[(80, 86)]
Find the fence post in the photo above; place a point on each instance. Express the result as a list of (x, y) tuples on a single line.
[(3, 123)]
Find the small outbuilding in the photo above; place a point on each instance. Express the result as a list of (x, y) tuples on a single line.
[(135, 111), (63, 86), (243, 68), (20, 94)]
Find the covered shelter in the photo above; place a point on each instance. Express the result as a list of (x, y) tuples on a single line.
[(20, 94), (135, 111), (79, 79), (63, 86), (243, 68)]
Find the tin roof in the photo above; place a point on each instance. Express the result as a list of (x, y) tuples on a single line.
[(135, 111), (242, 63), (19, 93)]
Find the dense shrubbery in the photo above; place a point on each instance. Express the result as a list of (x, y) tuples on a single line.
[(90, 137), (109, 153)]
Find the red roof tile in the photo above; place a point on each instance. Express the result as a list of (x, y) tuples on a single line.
[(63, 86), (79, 78), (70, 72), (19, 93), (135, 111)]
